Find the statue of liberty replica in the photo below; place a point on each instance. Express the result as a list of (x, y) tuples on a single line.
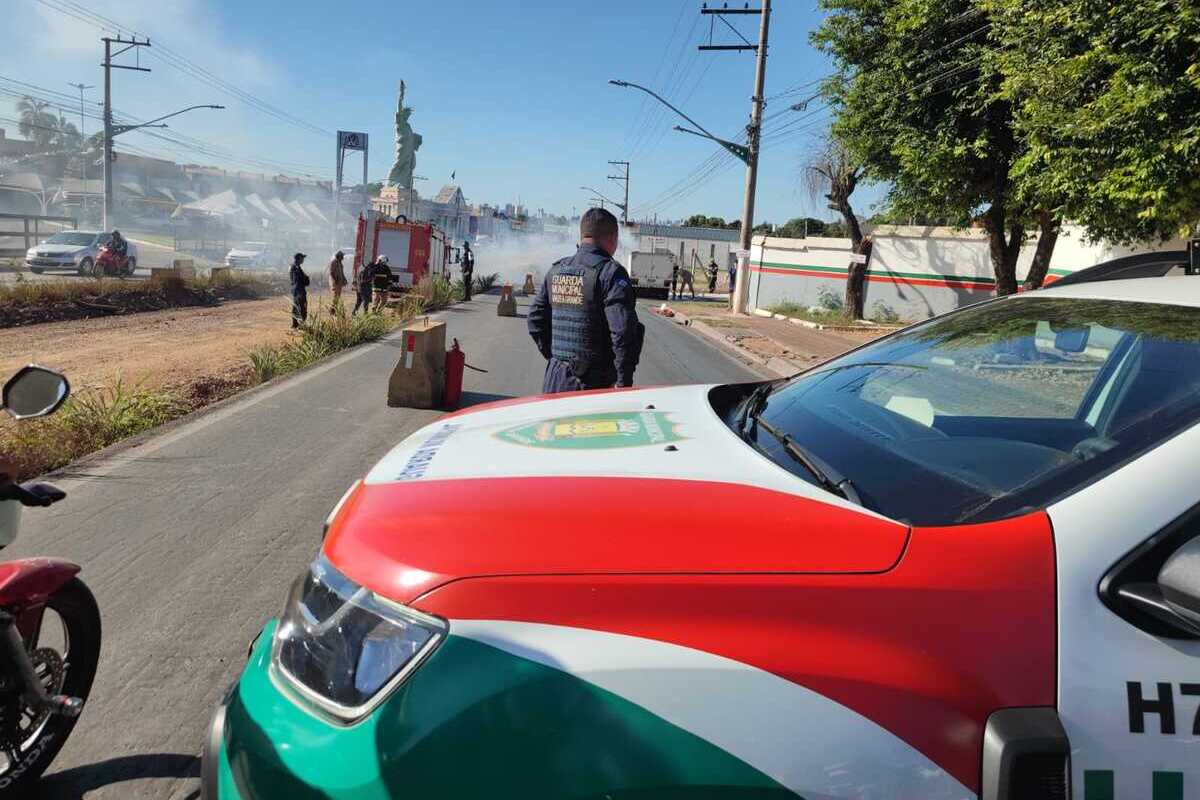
[(407, 144)]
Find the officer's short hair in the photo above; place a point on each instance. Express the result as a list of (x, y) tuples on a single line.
[(597, 223)]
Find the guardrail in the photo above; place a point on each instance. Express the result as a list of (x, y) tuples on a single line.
[(29, 230)]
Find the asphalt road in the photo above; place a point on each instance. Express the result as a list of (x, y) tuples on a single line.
[(149, 255), (191, 539)]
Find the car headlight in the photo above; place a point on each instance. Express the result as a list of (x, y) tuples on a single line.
[(344, 648)]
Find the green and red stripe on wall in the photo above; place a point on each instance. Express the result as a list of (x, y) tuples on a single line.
[(969, 282)]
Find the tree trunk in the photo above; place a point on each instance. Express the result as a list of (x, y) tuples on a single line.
[(1048, 228), (1003, 250), (856, 276)]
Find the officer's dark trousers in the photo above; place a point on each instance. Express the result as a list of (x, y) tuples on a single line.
[(363, 301), (560, 378), (299, 308), (468, 279)]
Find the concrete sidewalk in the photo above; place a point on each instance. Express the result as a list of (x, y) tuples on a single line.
[(783, 347)]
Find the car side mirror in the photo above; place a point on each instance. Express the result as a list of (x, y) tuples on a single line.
[(35, 392), (1173, 600), (1179, 581)]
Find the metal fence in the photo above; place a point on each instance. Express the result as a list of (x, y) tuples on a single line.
[(19, 232)]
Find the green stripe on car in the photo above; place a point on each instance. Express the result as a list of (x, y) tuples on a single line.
[(473, 721)]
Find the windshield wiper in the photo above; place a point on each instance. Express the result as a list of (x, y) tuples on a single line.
[(826, 478), (752, 405)]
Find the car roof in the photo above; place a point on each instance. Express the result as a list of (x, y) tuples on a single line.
[(1176, 290)]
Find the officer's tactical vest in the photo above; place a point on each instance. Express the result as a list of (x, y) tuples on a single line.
[(579, 334)]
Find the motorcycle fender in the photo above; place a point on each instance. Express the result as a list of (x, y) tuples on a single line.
[(30, 581)]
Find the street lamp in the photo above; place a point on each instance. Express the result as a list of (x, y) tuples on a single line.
[(600, 195), (739, 150), (111, 131)]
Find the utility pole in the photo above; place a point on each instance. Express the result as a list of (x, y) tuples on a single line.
[(109, 66), (622, 179), (753, 130), (82, 145)]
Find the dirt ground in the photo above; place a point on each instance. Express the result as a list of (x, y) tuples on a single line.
[(184, 348)]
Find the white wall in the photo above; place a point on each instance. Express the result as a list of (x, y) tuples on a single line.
[(915, 272)]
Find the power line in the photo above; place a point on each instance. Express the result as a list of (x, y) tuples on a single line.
[(658, 113), (179, 62), (184, 143), (657, 70)]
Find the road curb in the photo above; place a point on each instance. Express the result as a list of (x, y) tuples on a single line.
[(780, 368)]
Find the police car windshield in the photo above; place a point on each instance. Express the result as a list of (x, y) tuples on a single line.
[(996, 409)]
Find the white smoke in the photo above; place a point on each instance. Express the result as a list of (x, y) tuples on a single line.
[(513, 257)]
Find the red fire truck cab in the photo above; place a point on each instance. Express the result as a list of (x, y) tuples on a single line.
[(414, 249)]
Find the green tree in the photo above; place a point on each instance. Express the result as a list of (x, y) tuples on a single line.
[(917, 91), (799, 227), (701, 221), (1107, 100)]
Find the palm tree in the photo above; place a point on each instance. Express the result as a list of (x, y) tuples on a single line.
[(37, 124)]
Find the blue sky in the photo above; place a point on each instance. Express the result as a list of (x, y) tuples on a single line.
[(513, 97)]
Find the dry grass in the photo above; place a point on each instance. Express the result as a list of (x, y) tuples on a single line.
[(89, 421)]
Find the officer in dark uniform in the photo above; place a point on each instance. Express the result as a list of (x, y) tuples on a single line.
[(468, 270), (299, 280), (583, 317)]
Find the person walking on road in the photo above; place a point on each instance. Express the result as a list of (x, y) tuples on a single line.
[(468, 270), (674, 280), (299, 279), (337, 279), (363, 286), (583, 318), (382, 279), (713, 270)]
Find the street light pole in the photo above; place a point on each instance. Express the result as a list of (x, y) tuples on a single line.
[(82, 146), (111, 131), (599, 195)]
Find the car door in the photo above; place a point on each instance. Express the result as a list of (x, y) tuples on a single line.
[(1128, 682)]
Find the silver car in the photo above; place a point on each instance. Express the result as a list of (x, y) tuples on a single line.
[(73, 250)]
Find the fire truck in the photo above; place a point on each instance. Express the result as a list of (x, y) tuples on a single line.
[(414, 249)]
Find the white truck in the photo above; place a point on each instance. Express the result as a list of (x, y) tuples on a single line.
[(651, 273)]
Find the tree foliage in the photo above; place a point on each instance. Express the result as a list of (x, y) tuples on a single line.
[(799, 227), (50, 132), (1107, 99), (917, 91)]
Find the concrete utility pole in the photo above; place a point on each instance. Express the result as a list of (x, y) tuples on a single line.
[(622, 179), (753, 130), (130, 44)]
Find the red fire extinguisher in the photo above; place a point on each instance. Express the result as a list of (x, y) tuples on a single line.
[(456, 360)]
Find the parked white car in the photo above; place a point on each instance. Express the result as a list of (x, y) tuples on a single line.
[(254, 255), (73, 250)]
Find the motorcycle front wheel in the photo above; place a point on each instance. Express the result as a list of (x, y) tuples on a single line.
[(64, 654)]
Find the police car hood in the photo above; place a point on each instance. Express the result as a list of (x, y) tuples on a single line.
[(624, 482)]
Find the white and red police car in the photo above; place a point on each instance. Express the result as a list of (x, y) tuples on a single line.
[(961, 561)]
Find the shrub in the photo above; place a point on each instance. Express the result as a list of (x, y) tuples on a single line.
[(437, 292), (323, 335), (89, 421), (484, 283)]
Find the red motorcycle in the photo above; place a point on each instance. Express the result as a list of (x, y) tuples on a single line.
[(49, 622), (111, 263)]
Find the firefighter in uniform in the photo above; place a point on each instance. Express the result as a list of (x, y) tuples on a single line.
[(583, 318)]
